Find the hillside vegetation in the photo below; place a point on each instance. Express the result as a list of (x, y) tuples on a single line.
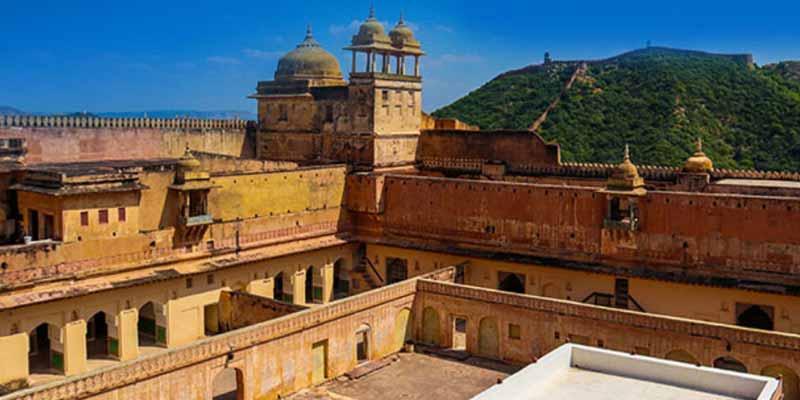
[(658, 100)]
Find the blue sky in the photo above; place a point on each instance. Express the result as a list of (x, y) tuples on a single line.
[(208, 55)]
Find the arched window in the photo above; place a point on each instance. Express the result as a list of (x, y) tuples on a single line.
[(730, 363), (514, 283), (755, 316)]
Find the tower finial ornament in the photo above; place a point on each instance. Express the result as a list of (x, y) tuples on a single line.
[(309, 33), (372, 11), (699, 144), (402, 21), (627, 152)]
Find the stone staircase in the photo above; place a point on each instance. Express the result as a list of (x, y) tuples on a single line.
[(366, 279)]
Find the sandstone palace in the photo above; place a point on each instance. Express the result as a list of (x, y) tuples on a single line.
[(199, 259)]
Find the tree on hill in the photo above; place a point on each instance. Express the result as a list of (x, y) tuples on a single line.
[(657, 100)]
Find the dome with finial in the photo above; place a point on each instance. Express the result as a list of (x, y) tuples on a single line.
[(625, 175), (402, 35), (698, 162), (188, 162), (370, 32), (308, 61)]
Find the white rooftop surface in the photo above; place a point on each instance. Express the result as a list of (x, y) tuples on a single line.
[(770, 183), (574, 372)]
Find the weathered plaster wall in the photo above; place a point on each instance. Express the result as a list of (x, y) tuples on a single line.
[(70, 144)]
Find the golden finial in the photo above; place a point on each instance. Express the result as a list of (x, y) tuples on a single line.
[(627, 153), (372, 11), (699, 144)]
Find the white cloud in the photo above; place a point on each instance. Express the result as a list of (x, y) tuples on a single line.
[(350, 28), (262, 55), (223, 60), (444, 28)]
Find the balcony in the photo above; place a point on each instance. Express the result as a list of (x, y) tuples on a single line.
[(197, 220)]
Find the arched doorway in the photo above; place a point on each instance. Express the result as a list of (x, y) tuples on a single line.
[(430, 326), (401, 328), (228, 385), (41, 357), (791, 386), (488, 338), (459, 333), (682, 356), (310, 284), (730, 363), (277, 287), (97, 336), (509, 282), (341, 283), (362, 344), (150, 333), (757, 317)]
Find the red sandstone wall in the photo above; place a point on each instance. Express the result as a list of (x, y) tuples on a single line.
[(517, 149), (715, 234)]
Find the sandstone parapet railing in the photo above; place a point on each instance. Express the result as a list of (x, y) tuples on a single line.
[(35, 121)]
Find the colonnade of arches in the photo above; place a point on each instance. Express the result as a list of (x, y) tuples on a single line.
[(46, 352)]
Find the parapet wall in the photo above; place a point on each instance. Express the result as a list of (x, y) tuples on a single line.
[(469, 150), (545, 324), (70, 139)]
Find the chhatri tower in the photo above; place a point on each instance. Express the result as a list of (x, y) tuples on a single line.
[(309, 113)]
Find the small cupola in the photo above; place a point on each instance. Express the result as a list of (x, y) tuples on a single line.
[(625, 176), (698, 163)]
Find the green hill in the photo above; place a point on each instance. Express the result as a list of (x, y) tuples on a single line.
[(658, 100)]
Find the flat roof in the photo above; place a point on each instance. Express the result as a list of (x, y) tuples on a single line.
[(578, 372), (766, 183)]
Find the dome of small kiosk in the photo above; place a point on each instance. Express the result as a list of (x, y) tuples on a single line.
[(188, 162), (308, 61), (698, 162), (370, 32), (402, 34)]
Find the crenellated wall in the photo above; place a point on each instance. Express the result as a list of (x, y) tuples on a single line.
[(70, 139)]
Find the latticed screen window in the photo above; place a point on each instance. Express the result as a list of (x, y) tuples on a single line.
[(103, 216), (121, 214), (84, 218)]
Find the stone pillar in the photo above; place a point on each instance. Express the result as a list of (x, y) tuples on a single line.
[(385, 67), (327, 283), (299, 287), (416, 66), (126, 333), (14, 349), (74, 347), (368, 63), (402, 65), (374, 60), (397, 71), (354, 63)]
